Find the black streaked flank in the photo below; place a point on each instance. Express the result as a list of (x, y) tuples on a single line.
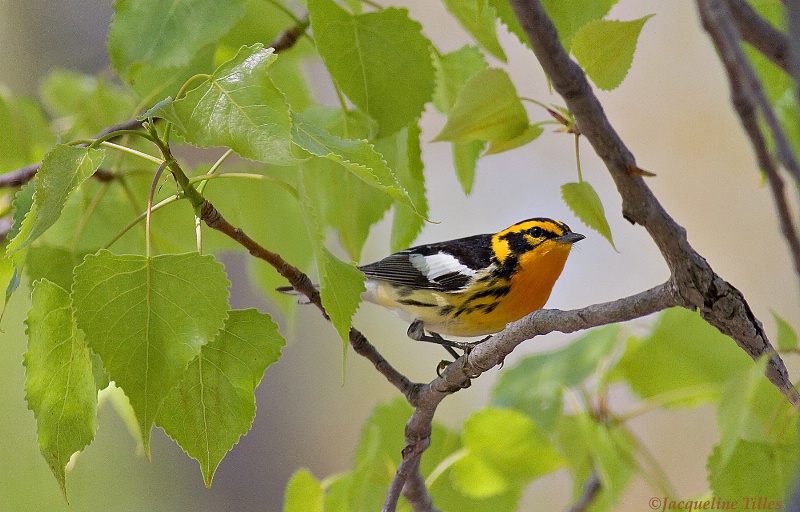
[(496, 292), (411, 302)]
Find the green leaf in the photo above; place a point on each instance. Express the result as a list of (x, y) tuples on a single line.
[(777, 84), (96, 212), (752, 409), (584, 202), (263, 22), (150, 81), (535, 384), (357, 156), (85, 104), (760, 474), (448, 496), (14, 265), (452, 72), (52, 263), (682, 353), (340, 283), (379, 452), (303, 493), (504, 449), (147, 319), (378, 455), (487, 108), (214, 405), (788, 113), (167, 34), (531, 133), (345, 202), (569, 17), (607, 449), (605, 48), (787, 336), (404, 154), (505, 13), (22, 205), (379, 59), (238, 107), (465, 161), (59, 384), (279, 225), (62, 170), (480, 20), (26, 132)]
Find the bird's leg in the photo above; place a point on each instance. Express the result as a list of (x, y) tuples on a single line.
[(416, 331)]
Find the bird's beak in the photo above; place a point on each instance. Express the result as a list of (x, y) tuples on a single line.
[(570, 238)]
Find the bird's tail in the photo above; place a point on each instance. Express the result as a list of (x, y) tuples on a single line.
[(288, 290)]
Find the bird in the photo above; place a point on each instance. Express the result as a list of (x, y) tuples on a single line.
[(472, 286)]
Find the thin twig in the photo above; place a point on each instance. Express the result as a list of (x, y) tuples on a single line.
[(757, 31), (717, 20), (591, 489), (793, 22), (748, 99), (23, 175), (291, 35)]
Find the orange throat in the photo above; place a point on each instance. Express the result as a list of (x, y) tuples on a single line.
[(532, 283)]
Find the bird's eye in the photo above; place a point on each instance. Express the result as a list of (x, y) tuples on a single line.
[(536, 232)]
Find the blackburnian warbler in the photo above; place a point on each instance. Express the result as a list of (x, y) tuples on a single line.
[(471, 286)]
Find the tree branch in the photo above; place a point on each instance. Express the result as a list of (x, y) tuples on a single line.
[(692, 280), (493, 352), (693, 283), (591, 489), (23, 175), (748, 99), (793, 21), (757, 31)]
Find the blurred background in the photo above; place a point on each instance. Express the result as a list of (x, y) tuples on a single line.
[(672, 111)]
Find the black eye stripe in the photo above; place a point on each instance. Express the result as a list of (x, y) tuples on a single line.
[(536, 232)]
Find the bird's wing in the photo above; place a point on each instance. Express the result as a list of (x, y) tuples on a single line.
[(444, 266)]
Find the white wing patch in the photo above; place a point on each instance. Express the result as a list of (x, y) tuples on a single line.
[(438, 265)]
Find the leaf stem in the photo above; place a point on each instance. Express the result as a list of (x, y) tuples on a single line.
[(655, 474), (372, 4), (444, 465), (213, 170), (150, 205), (195, 198), (343, 103), (205, 177), (667, 398), (84, 220), (285, 10), (119, 133), (133, 152), (135, 221), (185, 87)]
